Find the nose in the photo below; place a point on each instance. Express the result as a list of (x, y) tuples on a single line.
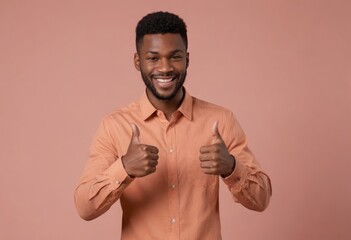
[(165, 65)]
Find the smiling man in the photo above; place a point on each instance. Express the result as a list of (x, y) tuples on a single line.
[(163, 155)]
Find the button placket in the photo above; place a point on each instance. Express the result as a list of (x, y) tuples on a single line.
[(173, 191)]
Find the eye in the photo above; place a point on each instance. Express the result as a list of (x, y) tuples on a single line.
[(152, 59), (177, 57)]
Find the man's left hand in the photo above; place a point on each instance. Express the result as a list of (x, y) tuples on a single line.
[(215, 158)]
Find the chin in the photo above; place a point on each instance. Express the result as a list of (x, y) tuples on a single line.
[(165, 97)]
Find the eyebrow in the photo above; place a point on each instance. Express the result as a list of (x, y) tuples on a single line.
[(172, 52)]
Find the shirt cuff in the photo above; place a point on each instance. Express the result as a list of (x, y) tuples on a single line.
[(237, 175), (118, 175)]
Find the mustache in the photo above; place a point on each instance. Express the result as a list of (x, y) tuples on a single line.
[(172, 75)]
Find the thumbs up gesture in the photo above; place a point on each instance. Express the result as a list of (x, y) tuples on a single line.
[(140, 159), (215, 158)]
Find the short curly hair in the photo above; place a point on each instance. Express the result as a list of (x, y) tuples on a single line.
[(160, 23)]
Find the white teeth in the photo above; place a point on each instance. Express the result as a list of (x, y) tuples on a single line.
[(164, 80)]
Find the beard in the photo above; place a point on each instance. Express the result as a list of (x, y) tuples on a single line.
[(151, 87)]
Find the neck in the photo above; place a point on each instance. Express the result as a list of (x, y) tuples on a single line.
[(168, 107)]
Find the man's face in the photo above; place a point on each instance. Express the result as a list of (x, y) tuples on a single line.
[(162, 60)]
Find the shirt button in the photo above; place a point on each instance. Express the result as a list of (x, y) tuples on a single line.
[(118, 182), (173, 186), (171, 150), (173, 220)]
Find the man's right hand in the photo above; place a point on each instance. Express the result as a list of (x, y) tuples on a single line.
[(140, 159)]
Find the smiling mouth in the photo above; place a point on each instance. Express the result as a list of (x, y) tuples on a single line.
[(165, 82)]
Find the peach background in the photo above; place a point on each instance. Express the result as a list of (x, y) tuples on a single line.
[(284, 68)]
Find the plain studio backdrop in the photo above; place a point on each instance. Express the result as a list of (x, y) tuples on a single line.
[(283, 68)]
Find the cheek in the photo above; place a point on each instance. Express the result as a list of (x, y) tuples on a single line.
[(180, 67), (146, 69)]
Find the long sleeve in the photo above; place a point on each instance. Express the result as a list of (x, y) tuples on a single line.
[(163, 204), (104, 177), (248, 184)]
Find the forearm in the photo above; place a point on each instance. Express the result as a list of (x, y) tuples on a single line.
[(95, 195), (251, 188)]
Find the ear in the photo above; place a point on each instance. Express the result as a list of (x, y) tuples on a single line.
[(137, 61), (187, 60)]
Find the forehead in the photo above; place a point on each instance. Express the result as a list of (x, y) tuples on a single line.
[(168, 42)]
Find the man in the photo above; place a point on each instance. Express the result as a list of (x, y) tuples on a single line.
[(162, 156)]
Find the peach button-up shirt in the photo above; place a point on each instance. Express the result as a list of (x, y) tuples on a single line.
[(178, 201)]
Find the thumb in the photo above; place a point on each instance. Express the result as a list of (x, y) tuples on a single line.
[(215, 133), (135, 134)]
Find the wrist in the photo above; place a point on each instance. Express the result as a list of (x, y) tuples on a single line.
[(232, 167), (122, 160)]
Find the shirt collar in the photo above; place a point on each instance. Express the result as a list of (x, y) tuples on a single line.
[(186, 108), (147, 109)]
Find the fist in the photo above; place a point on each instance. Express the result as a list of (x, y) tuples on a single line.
[(140, 159), (215, 158)]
